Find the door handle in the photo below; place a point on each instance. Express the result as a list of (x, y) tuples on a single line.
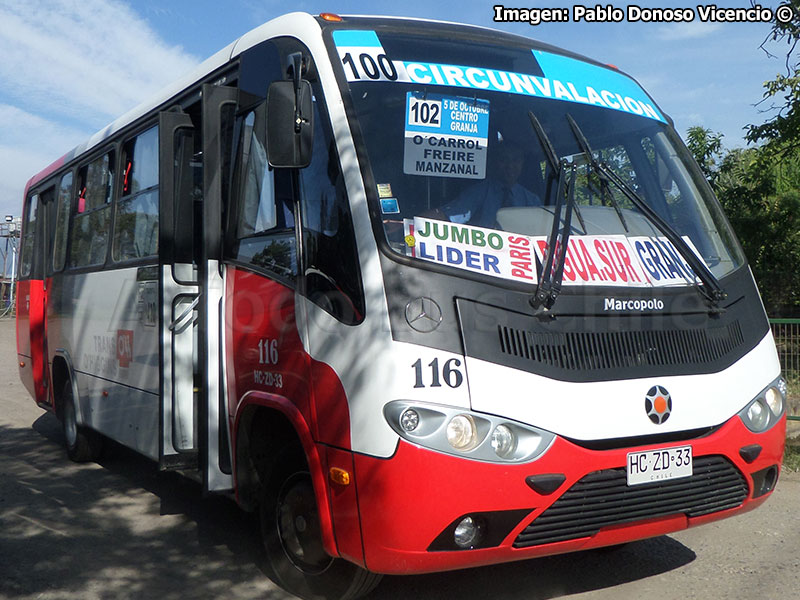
[(185, 312)]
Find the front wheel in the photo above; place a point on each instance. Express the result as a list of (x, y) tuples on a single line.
[(83, 445), (292, 538)]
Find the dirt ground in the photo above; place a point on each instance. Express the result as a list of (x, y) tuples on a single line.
[(122, 530)]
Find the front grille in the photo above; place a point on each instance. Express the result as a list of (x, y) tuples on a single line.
[(601, 347), (603, 498), (600, 351)]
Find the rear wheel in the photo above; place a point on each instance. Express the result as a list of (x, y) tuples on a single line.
[(83, 444), (292, 536)]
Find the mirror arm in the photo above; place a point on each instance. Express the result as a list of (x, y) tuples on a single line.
[(296, 59)]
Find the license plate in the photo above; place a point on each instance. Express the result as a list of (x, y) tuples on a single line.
[(659, 465)]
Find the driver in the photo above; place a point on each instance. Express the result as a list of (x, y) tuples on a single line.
[(478, 204)]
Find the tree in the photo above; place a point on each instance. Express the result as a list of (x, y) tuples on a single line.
[(781, 132), (706, 147), (761, 197)]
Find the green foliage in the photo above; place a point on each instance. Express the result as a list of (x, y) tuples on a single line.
[(791, 459), (706, 147), (759, 188), (781, 132)]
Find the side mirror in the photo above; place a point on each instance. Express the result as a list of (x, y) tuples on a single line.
[(290, 127)]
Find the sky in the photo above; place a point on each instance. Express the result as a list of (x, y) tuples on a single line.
[(70, 67)]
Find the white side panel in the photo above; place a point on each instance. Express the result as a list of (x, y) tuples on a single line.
[(110, 331), (603, 410), (126, 415)]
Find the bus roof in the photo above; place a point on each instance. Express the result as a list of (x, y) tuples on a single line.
[(297, 24)]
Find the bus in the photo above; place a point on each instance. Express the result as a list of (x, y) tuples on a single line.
[(423, 296)]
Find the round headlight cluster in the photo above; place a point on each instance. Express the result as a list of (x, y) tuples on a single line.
[(459, 431), (462, 434), (767, 408)]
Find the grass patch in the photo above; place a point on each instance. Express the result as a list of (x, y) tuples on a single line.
[(791, 459)]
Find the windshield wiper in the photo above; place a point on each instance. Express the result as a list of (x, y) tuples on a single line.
[(711, 289), (552, 273)]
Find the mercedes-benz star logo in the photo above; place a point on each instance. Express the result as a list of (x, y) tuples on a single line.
[(423, 314), (658, 404)]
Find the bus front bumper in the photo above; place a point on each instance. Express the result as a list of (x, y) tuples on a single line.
[(412, 503)]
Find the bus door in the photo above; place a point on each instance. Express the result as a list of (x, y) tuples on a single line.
[(180, 293), (193, 420)]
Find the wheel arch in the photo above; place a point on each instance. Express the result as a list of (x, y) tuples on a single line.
[(278, 421), (61, 372)]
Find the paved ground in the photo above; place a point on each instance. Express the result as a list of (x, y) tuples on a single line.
[(122, 530)]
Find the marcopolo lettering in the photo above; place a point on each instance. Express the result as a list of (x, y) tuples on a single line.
[(638, 304)]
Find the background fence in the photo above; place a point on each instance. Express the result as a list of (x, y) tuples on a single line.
[(787, 339)]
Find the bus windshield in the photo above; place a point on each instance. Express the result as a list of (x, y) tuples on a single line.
[(464, 179)]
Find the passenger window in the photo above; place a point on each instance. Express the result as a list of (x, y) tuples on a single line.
[(29, 236), (136, 218), (265, 233), (62, 222), (89, 239), (333, 274)]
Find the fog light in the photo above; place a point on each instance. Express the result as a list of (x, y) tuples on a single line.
[(774, 401), (504, 442), (758, 413), (462, 433), (409, 420), (466, 533)]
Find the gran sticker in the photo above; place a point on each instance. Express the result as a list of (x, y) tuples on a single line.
[(445, 136)]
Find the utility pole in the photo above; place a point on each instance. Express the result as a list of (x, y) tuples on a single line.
[(9, 247)]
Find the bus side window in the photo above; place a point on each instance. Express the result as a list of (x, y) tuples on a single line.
[(62, 222), (136, 216), (332, 271), (28, 237), (89, 239), (265, 233)]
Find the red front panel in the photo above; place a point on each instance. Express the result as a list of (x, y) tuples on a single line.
[(408, 500), (267, 355), (265, 352)]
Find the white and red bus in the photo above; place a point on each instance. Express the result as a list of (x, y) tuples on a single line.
[(425, 296)]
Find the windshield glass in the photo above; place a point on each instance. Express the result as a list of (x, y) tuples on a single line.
[(463, 178)]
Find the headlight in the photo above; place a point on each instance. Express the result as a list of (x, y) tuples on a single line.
[(409, 420), (767, 408), (462, 433), (466, 433), (504, 442), (758, 415), (774, 400)]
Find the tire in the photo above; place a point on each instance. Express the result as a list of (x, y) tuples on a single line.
[(292, 538), (83, 444)]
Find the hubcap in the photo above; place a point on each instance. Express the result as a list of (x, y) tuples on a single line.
[(298, 525)]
